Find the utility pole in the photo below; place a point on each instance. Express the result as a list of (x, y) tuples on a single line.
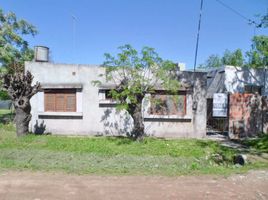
[(197, 38)]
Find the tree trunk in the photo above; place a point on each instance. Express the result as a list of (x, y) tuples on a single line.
[(136, 113), (23, 116)]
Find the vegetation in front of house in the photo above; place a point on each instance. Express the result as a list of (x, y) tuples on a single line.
[(20, 89), (14, 81), (116, 155), (135, 74), (260, 143)]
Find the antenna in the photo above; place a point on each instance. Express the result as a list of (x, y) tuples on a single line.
[(74, 20)]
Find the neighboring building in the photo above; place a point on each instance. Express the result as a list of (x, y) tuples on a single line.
[(70, 104), (246, 108), (231, 79)]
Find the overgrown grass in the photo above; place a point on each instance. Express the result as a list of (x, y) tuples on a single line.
[(115, 155), (260, 143)]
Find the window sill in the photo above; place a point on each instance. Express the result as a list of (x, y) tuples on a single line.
[(60, 115), (107, 103), (167, 118)]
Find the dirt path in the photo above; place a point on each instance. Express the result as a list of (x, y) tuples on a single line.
[(40, 186)]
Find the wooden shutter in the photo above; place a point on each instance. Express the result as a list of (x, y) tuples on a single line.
[(60, 100), (49, 102), (70, 102)]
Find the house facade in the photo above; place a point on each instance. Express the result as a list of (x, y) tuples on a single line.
[(246, 92), (70, 104)]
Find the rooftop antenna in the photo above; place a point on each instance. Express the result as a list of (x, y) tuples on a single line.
[(74, 20)]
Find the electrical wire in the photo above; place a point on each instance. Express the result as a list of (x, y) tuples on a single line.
[(250, 21)]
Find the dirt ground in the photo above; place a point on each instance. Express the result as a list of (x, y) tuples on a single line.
[(40, 186)]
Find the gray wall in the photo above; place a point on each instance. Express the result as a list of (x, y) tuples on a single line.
[(233, 79), (96, 116)]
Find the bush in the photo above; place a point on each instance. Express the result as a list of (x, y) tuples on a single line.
[(4, 95)]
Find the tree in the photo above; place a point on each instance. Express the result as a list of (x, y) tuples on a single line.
[(212, 61), (136, 75), (258, 55), (13, 47), (20, 89), (264, 21), (233, 58), (14, 50)]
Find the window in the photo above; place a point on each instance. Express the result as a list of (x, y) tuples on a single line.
[(60, 100), (163, 103), (253, 89), (108, 95)]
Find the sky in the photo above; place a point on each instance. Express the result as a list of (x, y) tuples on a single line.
[(81, 31)]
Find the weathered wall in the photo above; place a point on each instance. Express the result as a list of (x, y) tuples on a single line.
[(95, 117), (246, 117), (237, 77)]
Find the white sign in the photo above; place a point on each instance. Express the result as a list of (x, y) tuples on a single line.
[(220, 103)]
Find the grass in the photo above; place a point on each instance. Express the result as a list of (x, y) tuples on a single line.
[(260, 143), (116, 155), (6, 116)]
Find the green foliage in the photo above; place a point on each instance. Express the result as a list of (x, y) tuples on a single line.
[(260, 143), (4, 95), (137, 74), (258, 55), (212, 61), (13, 47), (233, 58)]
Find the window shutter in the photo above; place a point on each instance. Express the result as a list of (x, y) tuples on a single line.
[(70, 102), (49, 102), (60, 102)]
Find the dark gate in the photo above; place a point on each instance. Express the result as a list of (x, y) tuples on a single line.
[(215, 125)]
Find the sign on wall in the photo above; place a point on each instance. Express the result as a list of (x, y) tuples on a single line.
[(220, 103)]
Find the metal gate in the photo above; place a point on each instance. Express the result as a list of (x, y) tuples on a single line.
[(215, 125)]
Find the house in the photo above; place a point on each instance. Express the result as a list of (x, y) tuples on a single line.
[(244, 90), (70, 104)]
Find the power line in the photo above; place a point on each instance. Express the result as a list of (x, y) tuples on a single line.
[(238, 13)]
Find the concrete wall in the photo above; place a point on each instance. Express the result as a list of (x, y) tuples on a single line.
[(237, 77), (97, 116)]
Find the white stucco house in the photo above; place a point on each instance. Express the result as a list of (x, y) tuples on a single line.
[(70, 104)]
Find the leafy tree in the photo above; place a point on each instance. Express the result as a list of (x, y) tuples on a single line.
[(14, 50), (233, 58), (136, 75), (13, 47), (258, 55), (212, 61)]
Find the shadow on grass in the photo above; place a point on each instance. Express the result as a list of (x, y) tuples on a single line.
[(260, 143)]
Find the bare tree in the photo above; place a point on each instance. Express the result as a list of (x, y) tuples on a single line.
[(20, 89)]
